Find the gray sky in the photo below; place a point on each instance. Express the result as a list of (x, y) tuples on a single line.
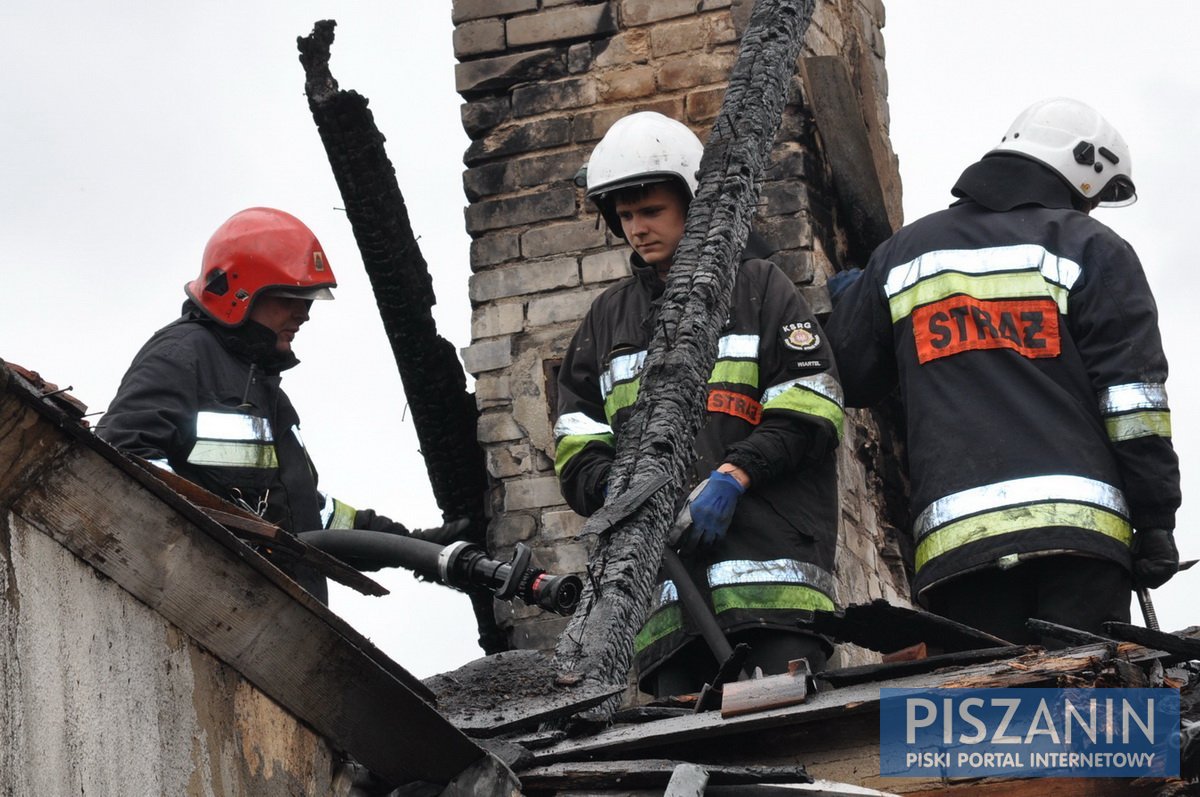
[(131, 130)]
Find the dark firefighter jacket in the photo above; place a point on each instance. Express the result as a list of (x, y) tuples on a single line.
[(205, 402), (774, 409), (1024, 340)]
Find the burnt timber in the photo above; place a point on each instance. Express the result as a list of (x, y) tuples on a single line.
[(444, 412)]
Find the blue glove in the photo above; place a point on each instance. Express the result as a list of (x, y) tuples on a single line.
[(712, 510)]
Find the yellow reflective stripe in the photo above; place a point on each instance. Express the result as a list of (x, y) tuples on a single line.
[(1022, 518), (770, 596), (1022, 284), (1138, 424), (572, 444), (800, 399), (622, 396), (742, 372), (223, 453), (343, 515), (658, 625), (796, 597)]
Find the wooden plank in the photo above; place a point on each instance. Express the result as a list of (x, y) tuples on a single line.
[(227, 598), (910, 653), (881, 627), (1161, 640), (866, 673), (253, 529), (763, 694), (688, 780)]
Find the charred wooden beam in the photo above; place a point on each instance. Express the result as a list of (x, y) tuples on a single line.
[(510, 691), (1160, 640), (868, 673), (444, 413), (1063, 633), (657, 439), (882, 627)]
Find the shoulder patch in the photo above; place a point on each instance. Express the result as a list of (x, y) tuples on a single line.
[(800, 336)]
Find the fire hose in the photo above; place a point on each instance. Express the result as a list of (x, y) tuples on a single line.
[(461, 565)]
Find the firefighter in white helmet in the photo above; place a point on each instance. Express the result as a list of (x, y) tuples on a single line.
[(1024, 340), (764, 525)]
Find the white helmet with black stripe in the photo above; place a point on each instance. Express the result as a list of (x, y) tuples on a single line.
[(1079, 144)]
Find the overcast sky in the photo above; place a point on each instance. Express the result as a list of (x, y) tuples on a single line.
[(131, 130)]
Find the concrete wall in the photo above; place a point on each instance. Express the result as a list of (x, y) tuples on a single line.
[(101, 696), (543, 80)]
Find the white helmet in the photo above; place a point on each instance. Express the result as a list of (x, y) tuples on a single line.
[(639, 149), (1078, 143)]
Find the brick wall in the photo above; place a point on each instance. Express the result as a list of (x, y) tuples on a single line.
[(542, 81)]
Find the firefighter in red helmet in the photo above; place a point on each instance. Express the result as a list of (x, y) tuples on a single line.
[(203, 398)]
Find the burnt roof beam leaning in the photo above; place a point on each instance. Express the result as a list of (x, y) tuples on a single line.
[(444, 413)]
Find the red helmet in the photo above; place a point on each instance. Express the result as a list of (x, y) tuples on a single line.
[(256, 252)]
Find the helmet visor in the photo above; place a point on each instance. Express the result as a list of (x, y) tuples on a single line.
[(320, 292), (1118, 193)]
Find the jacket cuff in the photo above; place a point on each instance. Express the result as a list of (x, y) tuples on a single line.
[(755, 466)]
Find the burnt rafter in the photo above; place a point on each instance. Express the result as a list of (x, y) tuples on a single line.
[(657, 440), (444, 412)]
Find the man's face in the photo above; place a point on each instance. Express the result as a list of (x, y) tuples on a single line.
[(282, 315), (654, 224)]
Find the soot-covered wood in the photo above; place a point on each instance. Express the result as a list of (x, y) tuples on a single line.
[(444, 413)]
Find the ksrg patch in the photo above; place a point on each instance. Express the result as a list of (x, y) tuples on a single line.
[(963, 323), (800, 336)]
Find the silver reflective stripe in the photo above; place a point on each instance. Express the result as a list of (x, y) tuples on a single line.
[(772, 571), (822, 384), (326, 509), (743, 347), (296, 432), (576, 423), (666, 593), (1034, 489), (233, 426), (621, 369), (161, 463), (996, 259), (1134, 396)]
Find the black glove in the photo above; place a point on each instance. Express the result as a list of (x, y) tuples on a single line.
[(1155, 557), (444, 534), (368, 520)]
